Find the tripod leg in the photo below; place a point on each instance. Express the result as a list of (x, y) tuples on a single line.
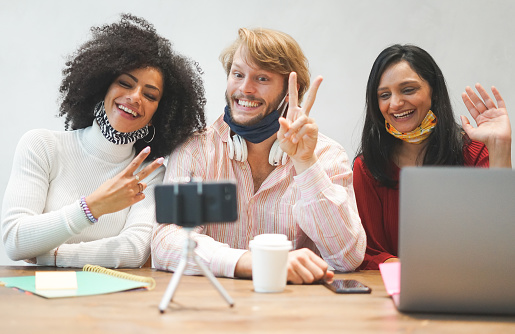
[(174, 282), (214, 281)]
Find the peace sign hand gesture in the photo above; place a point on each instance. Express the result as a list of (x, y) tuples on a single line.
[(493, 124), (298, 133), (123, 190)]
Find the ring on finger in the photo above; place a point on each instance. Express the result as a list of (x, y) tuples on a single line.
[(136, 177), (140, 187)]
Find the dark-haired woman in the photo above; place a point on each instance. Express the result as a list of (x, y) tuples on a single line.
[(409, 122), (85, 196)]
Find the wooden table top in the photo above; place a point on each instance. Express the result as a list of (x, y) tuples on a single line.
[(198, 307)]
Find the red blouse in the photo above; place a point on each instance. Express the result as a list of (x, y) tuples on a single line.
[(378, 206)]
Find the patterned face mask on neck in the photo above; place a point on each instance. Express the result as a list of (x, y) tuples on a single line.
[(111, 134), (419, 134)]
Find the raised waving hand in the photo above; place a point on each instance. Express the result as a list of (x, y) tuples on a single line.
[(493, 124), (298, 133)]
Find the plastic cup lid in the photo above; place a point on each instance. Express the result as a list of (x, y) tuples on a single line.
[(271, 240)]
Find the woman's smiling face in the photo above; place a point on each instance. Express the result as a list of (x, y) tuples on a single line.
[(133, 98), (404, 98)]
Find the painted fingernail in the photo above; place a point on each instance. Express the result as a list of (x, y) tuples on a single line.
[(146, 149), (160, 160)]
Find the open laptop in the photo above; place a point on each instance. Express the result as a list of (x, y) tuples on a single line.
[(457, 240)]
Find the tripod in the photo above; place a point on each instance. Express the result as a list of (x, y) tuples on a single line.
[(188, 252)]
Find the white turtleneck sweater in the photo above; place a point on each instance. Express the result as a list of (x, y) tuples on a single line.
[(41, 210)]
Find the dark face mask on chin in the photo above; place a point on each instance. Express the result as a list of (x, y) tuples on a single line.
[(255, 133), (264, 129)]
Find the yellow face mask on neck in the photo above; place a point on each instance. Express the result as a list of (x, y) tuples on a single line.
[(417, 135)]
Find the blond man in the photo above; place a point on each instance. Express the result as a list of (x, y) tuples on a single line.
[(290, 178)]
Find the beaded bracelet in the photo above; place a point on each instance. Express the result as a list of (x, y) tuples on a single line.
[(85, 208)]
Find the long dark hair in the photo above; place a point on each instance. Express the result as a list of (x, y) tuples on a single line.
[(445, 144), (121, 47)]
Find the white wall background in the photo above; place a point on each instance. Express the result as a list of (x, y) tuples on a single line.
[(471, 40)]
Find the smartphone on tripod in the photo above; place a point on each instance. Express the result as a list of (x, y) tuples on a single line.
[(196, 203), (188, 205)]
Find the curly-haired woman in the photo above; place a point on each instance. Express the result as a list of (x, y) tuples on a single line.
[(85, 196)]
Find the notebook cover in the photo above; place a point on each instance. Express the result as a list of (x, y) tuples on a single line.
[(89, 283)]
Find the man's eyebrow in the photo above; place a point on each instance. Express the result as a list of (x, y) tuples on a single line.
[(234, 64)]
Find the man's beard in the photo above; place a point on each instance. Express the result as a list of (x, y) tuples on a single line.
[(256, 119)]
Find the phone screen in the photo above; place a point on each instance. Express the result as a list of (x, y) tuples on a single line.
[(195, 203), (347, 286)]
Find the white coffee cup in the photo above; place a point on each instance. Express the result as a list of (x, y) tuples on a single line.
[(269, 262)]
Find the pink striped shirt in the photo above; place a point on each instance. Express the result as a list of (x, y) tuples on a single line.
[(316, 209)]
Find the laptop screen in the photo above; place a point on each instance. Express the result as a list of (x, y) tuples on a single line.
[(457, 240)]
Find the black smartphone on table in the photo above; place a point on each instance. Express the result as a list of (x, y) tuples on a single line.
[(347, 286)]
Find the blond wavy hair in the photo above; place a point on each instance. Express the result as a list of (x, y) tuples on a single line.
[(270, 50)]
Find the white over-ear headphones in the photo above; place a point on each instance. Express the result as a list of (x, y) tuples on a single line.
[(238, 151), (237, 146), (277, 156)]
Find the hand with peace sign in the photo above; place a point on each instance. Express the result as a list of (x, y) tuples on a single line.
[(298, 133), (125, 189), (493, 124)]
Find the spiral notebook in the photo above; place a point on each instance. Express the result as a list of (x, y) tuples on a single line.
[(92, 280)]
